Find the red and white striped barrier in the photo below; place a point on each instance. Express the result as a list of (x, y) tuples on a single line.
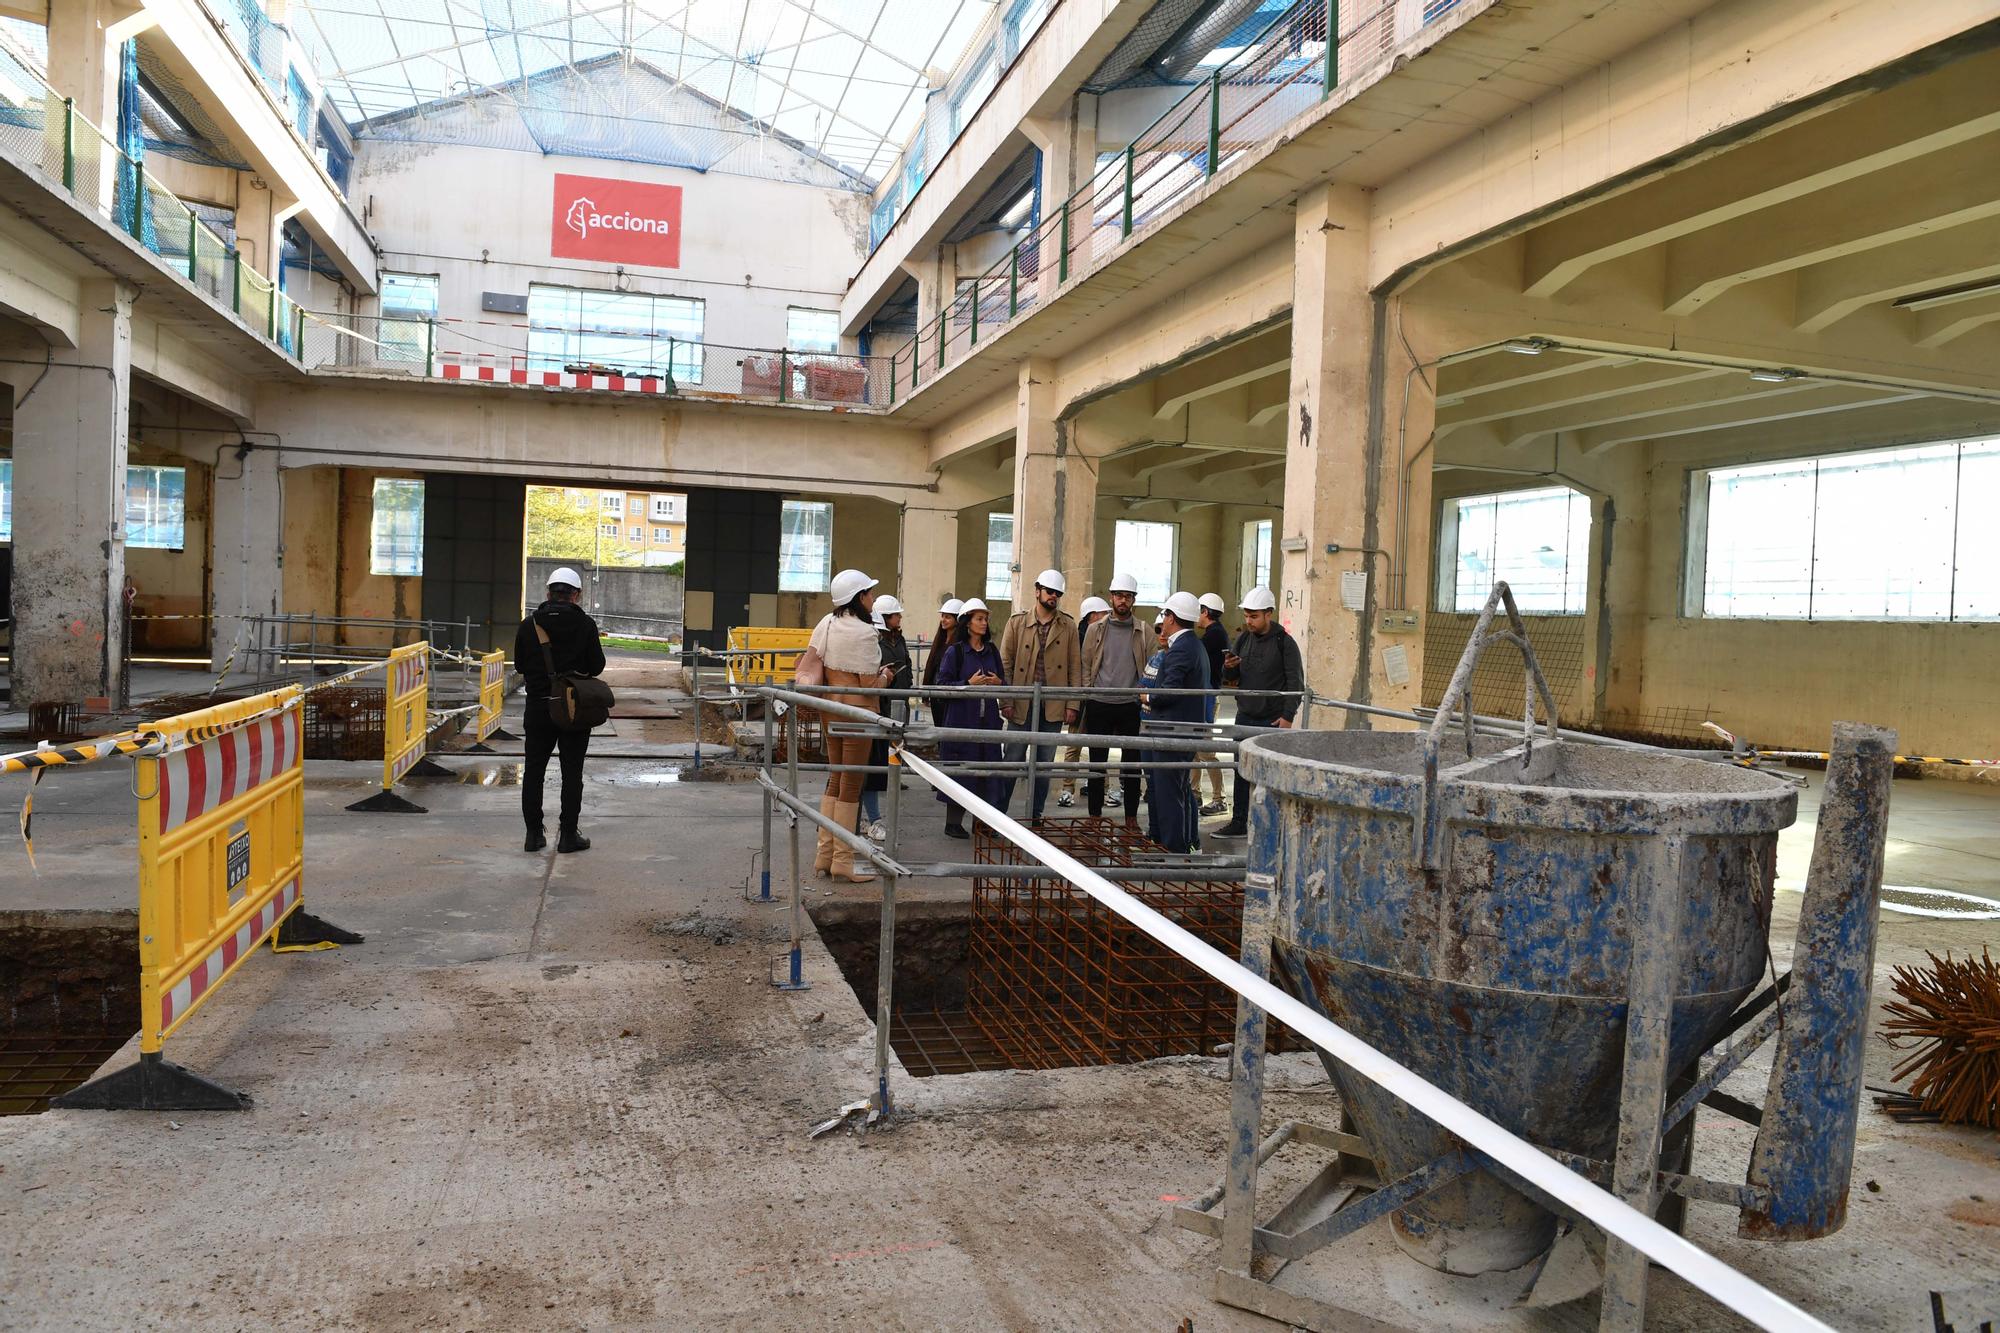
[(200, 778), (183, 995), (557, 379)]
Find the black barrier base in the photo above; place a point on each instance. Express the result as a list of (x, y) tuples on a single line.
[(154, 1084), (477, 747), (303, 928), (498, 734), (388, 803), (424, 768)]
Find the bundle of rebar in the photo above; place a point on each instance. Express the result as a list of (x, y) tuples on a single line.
[(1951, 1012), (345, 722)]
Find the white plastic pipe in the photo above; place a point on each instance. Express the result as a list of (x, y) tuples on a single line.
[(1759, 1305)]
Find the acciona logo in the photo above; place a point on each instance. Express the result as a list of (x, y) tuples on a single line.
[(584, 218)]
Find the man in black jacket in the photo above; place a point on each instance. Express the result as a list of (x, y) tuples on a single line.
[(1270, 678), (574, 646)]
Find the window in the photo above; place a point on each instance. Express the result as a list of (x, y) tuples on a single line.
[(972, 92), (805, 546), (638, 532), (629, 333), (409, 303), (812, 330), (1537, 541), (607, 529), (663, 536), (1257, 554), (613, 504), (156, 507), (999, 556), (1147, 551), (1891, 534), (396, 529), (668, 507), (583, 499)]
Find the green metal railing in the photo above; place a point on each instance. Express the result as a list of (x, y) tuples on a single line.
[(69, 151), (1283, 71)]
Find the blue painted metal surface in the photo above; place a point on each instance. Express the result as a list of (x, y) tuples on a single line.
[(1804, 1153), (1502, 975)]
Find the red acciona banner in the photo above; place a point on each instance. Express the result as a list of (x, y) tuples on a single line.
[(623, 222)]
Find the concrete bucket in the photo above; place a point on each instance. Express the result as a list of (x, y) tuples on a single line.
[(1500, 972)]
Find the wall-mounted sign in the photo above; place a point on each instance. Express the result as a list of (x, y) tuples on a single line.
[(614, 221)]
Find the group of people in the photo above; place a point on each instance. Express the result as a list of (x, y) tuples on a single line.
[(1135, 673)]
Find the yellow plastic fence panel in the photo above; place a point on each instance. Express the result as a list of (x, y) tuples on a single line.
[(221, 835), (492, 692), (406, 713), (776, 654)]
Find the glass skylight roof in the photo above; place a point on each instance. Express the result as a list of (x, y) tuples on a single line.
[(845, 79)]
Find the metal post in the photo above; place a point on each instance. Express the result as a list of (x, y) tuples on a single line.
[(1062, 255), (1014, 280), (69, 144), (892, 379), (1214, 120), (784, 376), (1332, 70), (1129, 159), (940, 351), (138, 200), (697, 712), (1246, 1056), (916, 357), (797, 980), (271, 315), (975, 312), (430, 345), (885, 969), (1034, 729), (764, 889), (235, 281), (194, 242)]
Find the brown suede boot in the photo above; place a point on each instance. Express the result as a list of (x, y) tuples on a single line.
[(846, 864), (828, 844)]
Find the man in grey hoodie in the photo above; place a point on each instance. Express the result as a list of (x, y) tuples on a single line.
[(1270, 678)]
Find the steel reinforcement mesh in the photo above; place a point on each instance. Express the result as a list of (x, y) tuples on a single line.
[(1055, 979)]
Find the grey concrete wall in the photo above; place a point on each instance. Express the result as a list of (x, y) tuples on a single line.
[(625, 599)]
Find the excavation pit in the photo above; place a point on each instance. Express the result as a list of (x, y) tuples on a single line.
[(69, 999)]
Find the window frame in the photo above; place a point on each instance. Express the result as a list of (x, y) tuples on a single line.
[(1445, 553), (376, 536), (794, 344), (673, 336), (1696, 513), (1257, 532), (1135, 567), (178, 523), (1006, 581), (803, 581)]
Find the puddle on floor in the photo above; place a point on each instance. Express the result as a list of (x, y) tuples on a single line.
[(665, 777), (492, 775)]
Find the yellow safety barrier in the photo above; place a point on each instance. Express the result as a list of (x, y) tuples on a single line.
[(776, 654), (492, 692), (406, 727), (221, 858)]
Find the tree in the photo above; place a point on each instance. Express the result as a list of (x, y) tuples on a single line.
[(557, 529)]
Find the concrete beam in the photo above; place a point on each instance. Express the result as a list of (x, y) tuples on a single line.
[(1947, 323), (1254, 359), (1914, 198), (1837, 288), (1813, 402), (1265, 402), (1606, 381), (1692, 393), (1844, 144)]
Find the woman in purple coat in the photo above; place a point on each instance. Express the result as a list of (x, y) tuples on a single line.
[(972, 659)]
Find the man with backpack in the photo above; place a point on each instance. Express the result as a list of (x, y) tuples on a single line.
[(556, 645)]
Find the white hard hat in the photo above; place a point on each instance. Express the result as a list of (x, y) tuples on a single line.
[(951, 607), (886, 605), (877, 618), (1159, 617), (1213, 601), (849, 584), (1053, 580), (1123, 582), (1259, 599), (973, 605), (567, 577), (1184, 607), (1092, 605)]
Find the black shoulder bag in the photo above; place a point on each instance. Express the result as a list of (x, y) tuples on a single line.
[(576, 703)]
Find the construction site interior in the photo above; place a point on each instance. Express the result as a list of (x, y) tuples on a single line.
[(1602, 395)]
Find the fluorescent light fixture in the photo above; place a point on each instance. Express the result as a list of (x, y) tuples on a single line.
[(1946, 295), (1776, 375), (1527, 346)]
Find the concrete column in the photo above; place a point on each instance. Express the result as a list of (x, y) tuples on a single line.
[(1340, 498), (1068, 145), (85, 37), (255, 211), (246, 555), (927, 562), (71, 424), (937, 283), (1055, 488)]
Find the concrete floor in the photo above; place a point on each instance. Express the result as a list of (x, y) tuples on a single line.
[(521, 1104)]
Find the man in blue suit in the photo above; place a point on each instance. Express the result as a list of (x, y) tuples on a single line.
[(1184, 668)]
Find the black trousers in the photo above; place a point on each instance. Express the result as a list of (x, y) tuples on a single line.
[(544, 739), (1239, 811), (1102, 719)]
